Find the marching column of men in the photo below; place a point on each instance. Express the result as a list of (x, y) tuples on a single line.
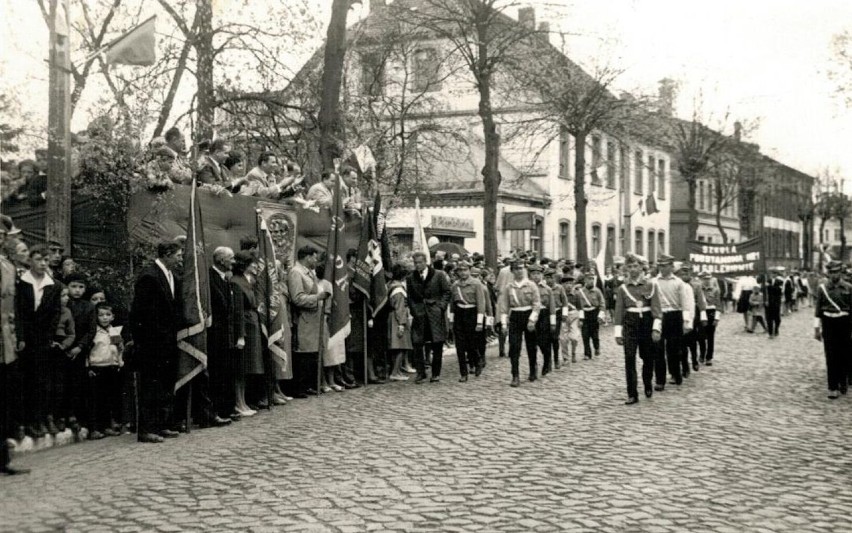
[(833, 326)]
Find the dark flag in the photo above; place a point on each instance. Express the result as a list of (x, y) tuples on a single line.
[(269, 300), (337, 274), (379, 224), (195, 299), (369, 275)]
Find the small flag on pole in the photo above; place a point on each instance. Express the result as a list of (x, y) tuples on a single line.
[(648, 205), (419, 243), (136, 47)]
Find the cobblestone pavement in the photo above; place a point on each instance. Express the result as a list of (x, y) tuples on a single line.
[(751, 444)]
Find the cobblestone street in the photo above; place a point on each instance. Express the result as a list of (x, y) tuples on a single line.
[(750, 444)]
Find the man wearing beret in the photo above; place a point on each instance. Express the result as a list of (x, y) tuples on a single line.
[(678, 309), (833, 326), (467, 318), (518, 306)]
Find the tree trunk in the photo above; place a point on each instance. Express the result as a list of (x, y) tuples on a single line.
[(580, 200), (692, 227), (842, 239), (331, 127), (170, 96), (204, 71), (822, 222), (490, 172), (58, 216), (719, 225)]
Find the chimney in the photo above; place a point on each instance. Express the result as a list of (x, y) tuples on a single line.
[(667, 94), (544, 27), (377, 6), (526, 16), (738, 131)]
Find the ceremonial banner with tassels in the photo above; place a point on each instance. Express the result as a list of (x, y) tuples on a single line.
[(335, 272), (369, 275), (276, 233), (195, 300)]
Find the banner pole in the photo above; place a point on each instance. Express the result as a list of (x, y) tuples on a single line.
[(320, 346), (188, 407), (366, 359)]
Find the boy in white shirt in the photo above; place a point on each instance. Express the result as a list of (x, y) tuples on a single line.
[(105, 360)]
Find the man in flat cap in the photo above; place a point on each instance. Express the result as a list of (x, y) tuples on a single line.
[(833, 326), (678, 307), (518, 307), (467, 318), (637, 312), (713, 299)]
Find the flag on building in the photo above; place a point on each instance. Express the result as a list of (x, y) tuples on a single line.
[(336, 273), (648, 205), (195, 298), (603, 260), (419, 243), (361, 158), (268, 297), (136, 47), (369, 275)]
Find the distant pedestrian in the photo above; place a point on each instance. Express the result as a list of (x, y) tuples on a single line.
[(758, 309), (774, 301)]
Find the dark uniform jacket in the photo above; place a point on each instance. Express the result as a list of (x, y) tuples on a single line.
[(155, 316), (428, 300)]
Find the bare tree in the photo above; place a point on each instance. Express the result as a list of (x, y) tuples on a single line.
[(484, 36)]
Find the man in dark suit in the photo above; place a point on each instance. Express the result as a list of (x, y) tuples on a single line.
[(154, 319), (429, 294), (226, 333)]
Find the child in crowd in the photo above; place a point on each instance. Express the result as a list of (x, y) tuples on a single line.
[(104, 362), (62, 341), (83, 312), (756, 306), (399, 326), (569, 333)]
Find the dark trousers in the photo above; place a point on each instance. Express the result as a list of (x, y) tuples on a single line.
[(517, 330), (835, 337), (689, 347), (669, 348), (481, 345), (589, 331), (467, 338), (305, 372), (542, 337), (773, 319), (554, 338), (5, 414), (201, 405), (156, 390), (637, 337), (502, 334), (353, 369), (39, 375), (76, 388), (421, 353), (221, 379), (377, 342), (707, 340), (58, 367), (105, 385)]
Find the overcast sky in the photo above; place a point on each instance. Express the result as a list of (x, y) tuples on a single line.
[(757, 59)]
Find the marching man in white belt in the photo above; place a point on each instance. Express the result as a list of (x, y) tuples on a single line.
[(678, 306), (591, 314), (713, 297), (638, 322), (692, 339), (833, 326), (518, 308), (467, 317)]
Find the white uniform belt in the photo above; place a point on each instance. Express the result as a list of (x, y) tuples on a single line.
[(465, 306), (524, 308), (638, 310), (589, 308), (711, 307), (835, 314), (671, 310)]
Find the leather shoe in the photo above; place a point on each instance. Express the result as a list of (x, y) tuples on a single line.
[(419, 380), (695, 366), (219, 421), (9, 471), (478, 371), (236, 417), (376, 381), (708, 363), (516, 382), (435, 379), (149, 437), (833, 395), (352, 385), (463, 379), (649, 393), (631, 400), (659, 388), (169, 434), (533, 377), (311, 392)]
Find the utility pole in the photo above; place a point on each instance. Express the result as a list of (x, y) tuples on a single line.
[(58, 226)]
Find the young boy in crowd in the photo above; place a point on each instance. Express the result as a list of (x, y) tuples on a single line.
[(62, 341), (104, 362), (83, 312)]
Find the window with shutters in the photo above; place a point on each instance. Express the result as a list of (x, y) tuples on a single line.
[(372, 75), (652, 182), (564, 242), (596, 239)]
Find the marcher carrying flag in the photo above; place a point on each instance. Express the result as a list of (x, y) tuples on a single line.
[(195, 299)]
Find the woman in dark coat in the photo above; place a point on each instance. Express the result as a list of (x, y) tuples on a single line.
[(245, 265)]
